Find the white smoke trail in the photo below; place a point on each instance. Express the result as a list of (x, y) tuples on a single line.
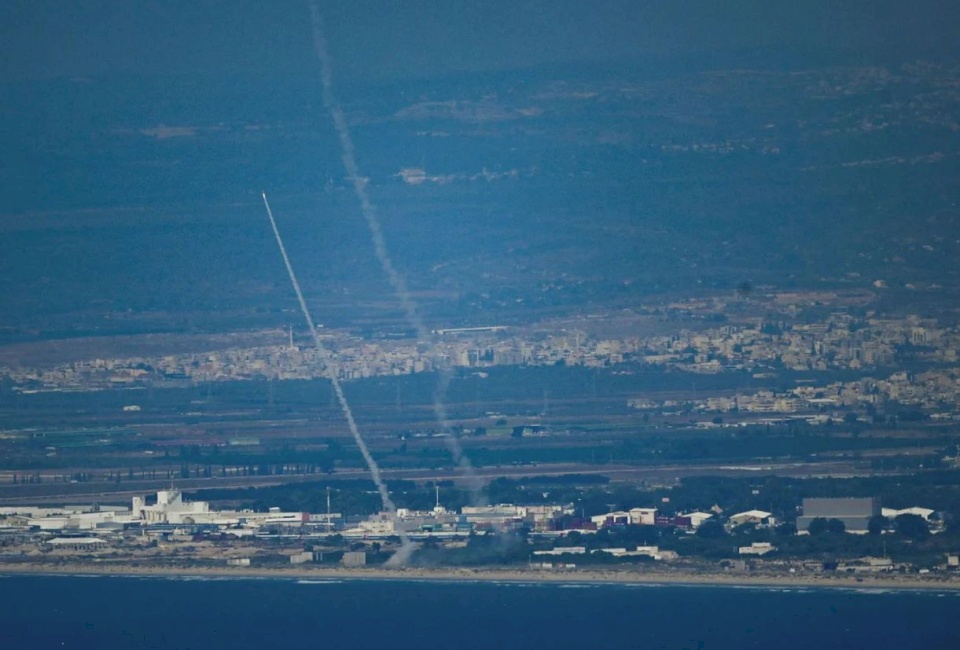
[(396, 280), (406, 546)]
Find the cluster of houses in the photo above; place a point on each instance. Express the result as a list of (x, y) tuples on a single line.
[(838, 342)]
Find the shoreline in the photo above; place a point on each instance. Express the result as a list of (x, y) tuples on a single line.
[(500, 575)]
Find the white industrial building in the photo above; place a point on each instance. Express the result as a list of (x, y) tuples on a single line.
[(170, 508), (82, 521), (757, 517), (66, 517), (643, 516), (77, 543), (696, 518), (633, 517), (757, 548), (380, 525), (891, 513), (498, 515), (644, 551), (563, 550)]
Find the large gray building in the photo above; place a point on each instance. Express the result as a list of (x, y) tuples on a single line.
[(854, 513)]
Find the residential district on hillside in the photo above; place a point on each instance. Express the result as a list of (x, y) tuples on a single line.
[(554, 536), (838, 343)]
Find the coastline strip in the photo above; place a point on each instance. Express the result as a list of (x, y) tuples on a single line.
[(498, 575)]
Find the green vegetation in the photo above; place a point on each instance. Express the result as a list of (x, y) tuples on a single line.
[(905, 539)]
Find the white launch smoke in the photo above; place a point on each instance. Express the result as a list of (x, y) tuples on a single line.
[(406, 546), (397, 282)]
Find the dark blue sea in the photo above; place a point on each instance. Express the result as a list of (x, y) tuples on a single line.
[(128, 612)]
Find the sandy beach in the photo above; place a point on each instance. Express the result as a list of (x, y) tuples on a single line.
[(494, 574)]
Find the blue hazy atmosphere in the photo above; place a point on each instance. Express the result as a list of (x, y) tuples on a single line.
[(112, 612), (681, 182), (523, 160)]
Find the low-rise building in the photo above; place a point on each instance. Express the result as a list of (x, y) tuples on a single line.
[(633, 517), (354, 559), (641, 551), (696, 518), (301, 558), (854, 513), (563, 550), (892, 513), (77, 543), (757, 517), (757, 548)]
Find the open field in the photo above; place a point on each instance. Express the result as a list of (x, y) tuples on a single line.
[(661, 475)]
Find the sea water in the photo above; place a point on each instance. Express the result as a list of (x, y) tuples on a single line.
[(150, 612)]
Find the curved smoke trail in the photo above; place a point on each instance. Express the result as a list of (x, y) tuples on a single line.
[(397, 282), (406, 546)]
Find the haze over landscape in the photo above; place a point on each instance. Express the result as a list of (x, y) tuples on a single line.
[(616, 292)]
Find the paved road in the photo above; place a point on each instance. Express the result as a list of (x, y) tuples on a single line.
[(665, 474)]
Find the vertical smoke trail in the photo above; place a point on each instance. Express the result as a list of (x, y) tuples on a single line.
[(396, 280), (406, 547)]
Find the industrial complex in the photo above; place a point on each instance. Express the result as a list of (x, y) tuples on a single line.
[(167, 527)]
